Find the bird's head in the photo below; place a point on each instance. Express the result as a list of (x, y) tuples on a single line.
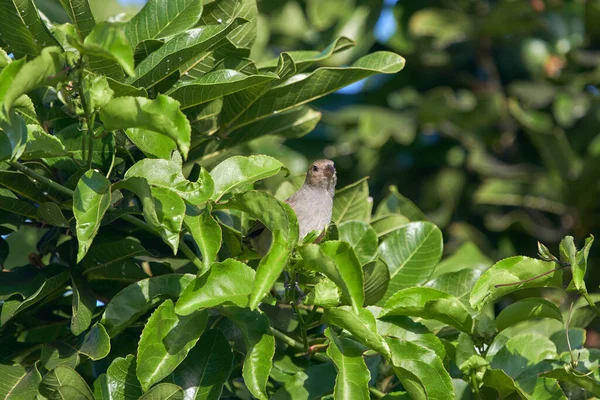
[(322, 174)]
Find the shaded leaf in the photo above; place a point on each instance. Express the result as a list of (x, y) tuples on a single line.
[(64, 383), (352, 380), (42, 145), (84, 304), (352, 203), (80, 14), (133, 301), (163, 391), (19, 382), (361, 237), (395, 203), (270, 267), (13, 137), (526, 309), (377, 279), (170, 210), (152, 144), (121, 379), (206, 232)]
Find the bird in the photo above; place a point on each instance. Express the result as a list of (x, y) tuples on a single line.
[(312, 203)]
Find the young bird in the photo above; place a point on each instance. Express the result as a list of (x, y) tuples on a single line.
[(312, 203)]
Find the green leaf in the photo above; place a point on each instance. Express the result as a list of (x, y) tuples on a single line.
[(430, 304), (165, 342), (395, 203), (97, 91), (167, 174), (163, 391), (353, 377), (179, 50), (161, 115), (388, 223), (206, 231), (352, 203), (337, 261), (19, 382), (54, 281), (468, 256), (22, 78), (526, 309), (84, 304), (80, 14), (18, 207), (121, 379), (459, 284), (64, 383), (270, 267), (520, 351), (291, 124), (152, 144), (107, 41), (121, 89), (95, 345), (22, 30), (420, 370), (158, 19), (206, 368), (513, 270), (241, 171), (227, 282), (170, 210), (142, 189), (502, 383), (377, 279), (315, 382), (411, 254), (99, 263), (260, 348), (585, 382), (361, 237), (215, 84), (361, 325), (578, 261), (319, 83), (13, 137), (90, 201), (224, 11), (325, 294), (41, 144), (136, 299), (52, 214)]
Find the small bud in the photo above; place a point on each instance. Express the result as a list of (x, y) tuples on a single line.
[(544, 253)]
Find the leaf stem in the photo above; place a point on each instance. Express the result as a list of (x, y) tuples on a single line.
[(90, 133), (376, 393), (296, 345), (192, 257), (302, 327), (32, 174)]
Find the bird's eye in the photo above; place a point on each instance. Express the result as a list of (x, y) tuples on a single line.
[(315, 168)]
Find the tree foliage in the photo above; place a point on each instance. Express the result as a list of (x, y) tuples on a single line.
[(126, 193)]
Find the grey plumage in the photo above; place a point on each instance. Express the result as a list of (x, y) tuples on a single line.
[(312, 203)]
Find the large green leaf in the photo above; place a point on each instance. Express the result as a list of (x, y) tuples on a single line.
[(227, 282), (22, 30), (19, 382), (526, 309), (133, 301), (84, 304), (224, 11), (214, 85), (167, 174), (177, 51), (411, 254), (515, 271), (270, 267), (260, 348), (18, 207), (361, 325), (585, 382), (159, 19), (352, 203), (290, 124), (20, 78), (420, 370), (142, 189), (41, 144), (352, 380), (337, 261), (121, 379), (165, 342), (152, 144), (238, 171), (377, 279), (64, 383), (206, 368), (90, 201), (161, 115), (95, 345), (13, 137), (206, 231), (170, 211), (520, 351), (317, 84), (80, 14), (430, 304), (361, 237), (114, 261)]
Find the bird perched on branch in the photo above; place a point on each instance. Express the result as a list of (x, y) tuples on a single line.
[(312, 203)]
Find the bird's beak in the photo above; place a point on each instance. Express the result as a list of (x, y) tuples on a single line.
[(329, 171)]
